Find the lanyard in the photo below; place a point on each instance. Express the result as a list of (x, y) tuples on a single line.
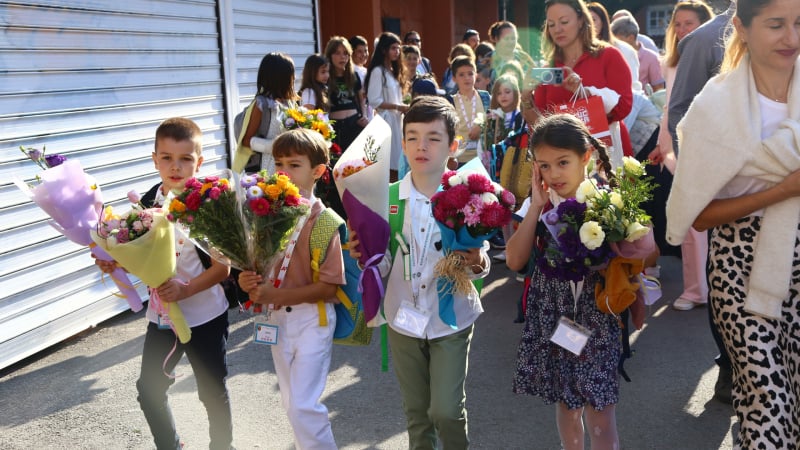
[(577, 290), (289, 250), (419, 253), (474, 108)]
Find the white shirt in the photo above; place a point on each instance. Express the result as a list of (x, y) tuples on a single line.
[(420, 227)]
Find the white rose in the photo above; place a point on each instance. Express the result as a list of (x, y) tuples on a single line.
[(631, 166), (592, 235), (586, 190), (616, 199), (635, 231), (488, 197)]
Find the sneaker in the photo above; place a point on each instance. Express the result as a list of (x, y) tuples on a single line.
[(682, 304), (500, 257), (498, 242)]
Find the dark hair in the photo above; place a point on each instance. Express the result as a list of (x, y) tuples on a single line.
[(385, 41), (411, 49), (460, 50), (357, 40), (303, 142), (427, 109), (553, 52), (735, 47), (313, 64), (600, 10), (276, 76), (493, 31), (349, 76), (565, 131), (408, 35), (483, 49), (469, 33), (461, 61), (181, 129)]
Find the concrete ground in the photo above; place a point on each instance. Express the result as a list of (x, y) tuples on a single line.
[(81, 394)]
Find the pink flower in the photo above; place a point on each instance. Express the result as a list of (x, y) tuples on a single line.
[(193, 201), (137, 226), (211, 179), (214, 192), (192, 183), (133, 197), (507, 197), (123, 236), (472, 211), (479, 184)]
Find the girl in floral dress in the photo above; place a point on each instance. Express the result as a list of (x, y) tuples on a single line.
[(562, 148)]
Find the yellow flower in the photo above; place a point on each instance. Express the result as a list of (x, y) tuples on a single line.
[(273, 192), (204, 188), (223, 181), (297, 116), (262, 186), (177, 206), (282, 181), (292, 190), (108, 214)]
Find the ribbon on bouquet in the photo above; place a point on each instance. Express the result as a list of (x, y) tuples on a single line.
[(181, 330)]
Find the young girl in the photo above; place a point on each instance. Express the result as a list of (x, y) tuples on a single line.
[(411, 59), (274, 92), (563, 147), (384, 92), (505, 100), (314, 87)]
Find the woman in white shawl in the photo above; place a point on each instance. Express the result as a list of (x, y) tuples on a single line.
[(738, 176)]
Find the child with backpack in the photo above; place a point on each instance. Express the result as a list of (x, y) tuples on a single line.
[(177, 157), (430, 357), (303, 321)]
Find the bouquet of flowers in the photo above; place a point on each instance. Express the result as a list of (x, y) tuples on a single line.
[(313, 119), (603, 227), (246, 226), (143, 242), (72, 199), (360, 175), (469, 209)]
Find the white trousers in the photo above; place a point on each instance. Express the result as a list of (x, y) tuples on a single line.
[(302, 359)]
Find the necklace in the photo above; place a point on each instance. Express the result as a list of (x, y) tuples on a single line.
[(474, 111)]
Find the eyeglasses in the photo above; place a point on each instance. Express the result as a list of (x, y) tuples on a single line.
[(413, 41)]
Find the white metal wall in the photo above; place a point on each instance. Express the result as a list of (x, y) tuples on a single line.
[(92, 80)]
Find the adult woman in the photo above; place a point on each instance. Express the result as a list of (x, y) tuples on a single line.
[(686, 17), (507, 49), (384, 92), (750, 202), (569, 42)]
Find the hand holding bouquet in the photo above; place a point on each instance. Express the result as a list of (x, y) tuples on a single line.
[(143, 242), (246, 226), (469, 210)]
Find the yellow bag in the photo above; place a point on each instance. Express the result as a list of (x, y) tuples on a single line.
[(516, 171)]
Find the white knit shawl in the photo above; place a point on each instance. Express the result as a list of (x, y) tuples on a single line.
[(720, 139)]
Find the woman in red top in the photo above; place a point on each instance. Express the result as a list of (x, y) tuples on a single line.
[(569, 42)]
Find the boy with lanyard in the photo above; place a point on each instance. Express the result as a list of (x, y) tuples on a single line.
[(300, 329), (430, 357), (177, 157)]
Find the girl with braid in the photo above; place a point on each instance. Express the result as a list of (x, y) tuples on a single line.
[(579, 385)]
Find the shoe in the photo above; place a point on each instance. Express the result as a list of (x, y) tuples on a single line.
[(497, 241), (723, 387), (682, 304), (500, 257)]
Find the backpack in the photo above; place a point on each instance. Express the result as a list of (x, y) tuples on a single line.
[(351, 326), (244, 156), (233, 293)]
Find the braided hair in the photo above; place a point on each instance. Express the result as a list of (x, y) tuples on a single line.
[(566, 131)]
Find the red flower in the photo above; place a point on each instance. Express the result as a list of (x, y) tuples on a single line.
[(259, 206), (479, 184), (193, 200), (495, 215), (335, 149), (458, 196), (291, 200), (446, 178)]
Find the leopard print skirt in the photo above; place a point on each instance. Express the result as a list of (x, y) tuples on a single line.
[(765, 353)]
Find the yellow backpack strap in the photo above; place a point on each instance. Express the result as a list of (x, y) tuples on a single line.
[(328, 223), (243, 151)]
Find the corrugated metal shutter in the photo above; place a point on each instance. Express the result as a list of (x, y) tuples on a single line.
[(92, 80), (260, 27)]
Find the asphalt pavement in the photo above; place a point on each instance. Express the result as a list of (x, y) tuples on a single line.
[(81, 393)]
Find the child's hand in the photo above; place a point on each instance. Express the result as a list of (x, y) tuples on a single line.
[(472, 258), (474, 132), (353, 242), (172, 291), (249, 281), (539, 196), (105, 266)]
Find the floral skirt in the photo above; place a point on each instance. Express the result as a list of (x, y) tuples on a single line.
[(555, 374)]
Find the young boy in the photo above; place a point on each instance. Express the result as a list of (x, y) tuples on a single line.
[(471, 106), (430, 359), (178, 157), (302, 353)]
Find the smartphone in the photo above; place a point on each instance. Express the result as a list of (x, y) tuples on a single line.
[(548, 75)]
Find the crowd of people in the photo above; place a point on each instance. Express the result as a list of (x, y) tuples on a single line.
[(725, 102)]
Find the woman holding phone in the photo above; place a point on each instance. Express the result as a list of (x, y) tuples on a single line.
[(569, 43)]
